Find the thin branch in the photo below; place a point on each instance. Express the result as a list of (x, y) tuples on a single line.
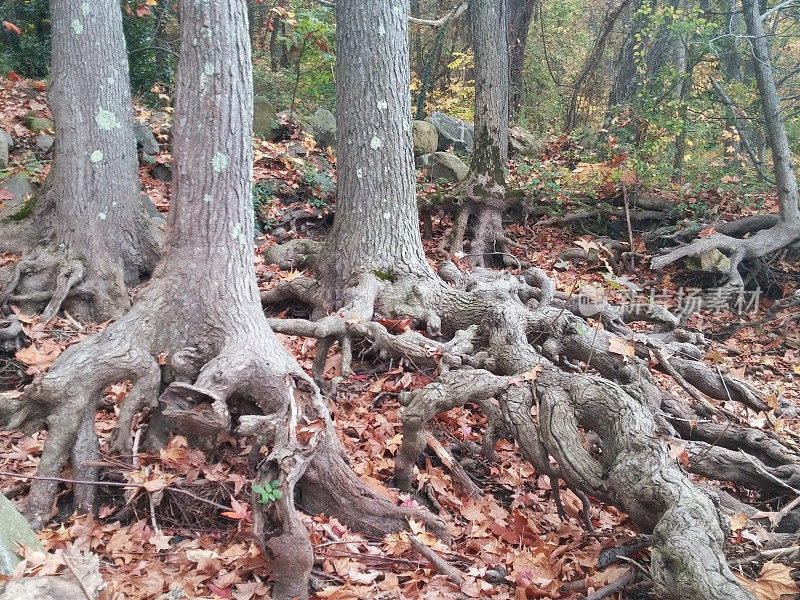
[(774, 9)]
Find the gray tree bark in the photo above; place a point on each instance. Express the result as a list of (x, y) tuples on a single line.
[(788, 195), (520, 15), (376, 227), (490, 44), (94, 233)]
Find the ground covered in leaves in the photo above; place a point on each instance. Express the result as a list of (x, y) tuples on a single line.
[(183, 516)]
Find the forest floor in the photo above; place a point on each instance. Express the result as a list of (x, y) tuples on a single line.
[(184, 518)]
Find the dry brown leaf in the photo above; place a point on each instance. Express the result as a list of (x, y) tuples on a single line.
[(619, 346), (773, 582)]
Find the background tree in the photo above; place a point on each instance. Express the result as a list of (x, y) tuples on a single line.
[(89, 233), (519, 23)]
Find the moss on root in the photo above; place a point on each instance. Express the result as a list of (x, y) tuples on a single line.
[(25, 211)]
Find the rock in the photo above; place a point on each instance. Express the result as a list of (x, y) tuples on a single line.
[(161, 172), (85, 584), (20, 189), (44, 142), (295, 254), (712, 261), (524, 142), (4, 135), (445, 165), (265, 123), (453, 132), (145, 138), (297, 149), (14, 530), (3, 153), (37, 124), (426, 139), (323, 128)]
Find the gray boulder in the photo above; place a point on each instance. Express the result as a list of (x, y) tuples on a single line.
[(44, 142), (323, 128), (20, 189), (37, 124), (145, 138), (426, 139), (444, 165), (265, 119), (453, 132), (3, 153), (524, 142), (14, 530), (4, 135)]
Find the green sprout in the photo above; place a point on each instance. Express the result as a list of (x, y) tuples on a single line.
[(269, 492)]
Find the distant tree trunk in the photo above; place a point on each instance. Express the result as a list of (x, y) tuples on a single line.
[(591, 62), (623, 85), (91, 223), (788, 196), (519, 21), (733, 73), (686, 68), (489, 33)]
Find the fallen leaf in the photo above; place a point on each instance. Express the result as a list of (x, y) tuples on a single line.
[(773, 582)]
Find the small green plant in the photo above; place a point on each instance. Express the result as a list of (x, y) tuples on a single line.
[(269, 492)]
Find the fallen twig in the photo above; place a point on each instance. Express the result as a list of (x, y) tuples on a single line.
[(437, 561)]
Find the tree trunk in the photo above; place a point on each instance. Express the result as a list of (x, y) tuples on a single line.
[(489, 38), (98, 235), (788, 196), (686, 68), (483, 193), (376, 227), (520, 15)]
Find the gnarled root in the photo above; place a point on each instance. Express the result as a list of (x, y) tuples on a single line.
[(49, 280), (205, 368), (520, 351), (761, 243)]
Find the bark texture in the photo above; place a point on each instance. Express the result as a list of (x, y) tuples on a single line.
[(377, 187), (519, 22), (490, 42), (91, 230)]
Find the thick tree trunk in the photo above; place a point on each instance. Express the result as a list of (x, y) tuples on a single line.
[(376, 227), (98, 235), (519, 21)]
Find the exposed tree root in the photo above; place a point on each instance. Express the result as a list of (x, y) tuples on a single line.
[(521, 352), (205, 369), (90, 280), (761, 243)]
